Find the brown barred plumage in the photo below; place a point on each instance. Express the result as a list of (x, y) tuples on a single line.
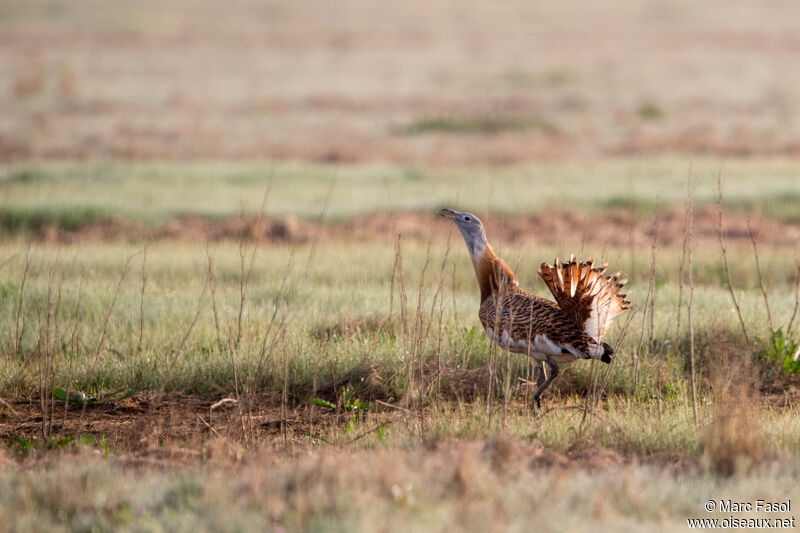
[(572, 327)]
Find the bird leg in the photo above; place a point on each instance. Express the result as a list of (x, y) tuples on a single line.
[(539, 373), (553, 373)]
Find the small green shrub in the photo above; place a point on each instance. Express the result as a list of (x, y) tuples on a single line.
[(783, 350)]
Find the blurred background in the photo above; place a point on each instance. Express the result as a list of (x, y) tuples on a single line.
[(433, 83)]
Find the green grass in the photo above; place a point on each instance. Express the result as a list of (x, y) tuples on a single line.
[(651, 111), (458, 125), (337, 317), (158, 192), (22, 220)]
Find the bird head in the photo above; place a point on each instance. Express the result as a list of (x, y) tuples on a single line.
[(471, 228)]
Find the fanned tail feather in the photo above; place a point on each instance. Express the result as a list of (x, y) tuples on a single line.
[(586, 294)]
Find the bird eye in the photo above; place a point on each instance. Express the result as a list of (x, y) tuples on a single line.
[(467, 219)]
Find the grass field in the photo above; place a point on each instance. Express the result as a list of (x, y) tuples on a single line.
[(54, 192), (333, 350), (227, 303)]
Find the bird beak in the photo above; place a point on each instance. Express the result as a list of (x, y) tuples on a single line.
[(448, 213)]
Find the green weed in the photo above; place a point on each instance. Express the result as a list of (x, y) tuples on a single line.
[(781, 350)]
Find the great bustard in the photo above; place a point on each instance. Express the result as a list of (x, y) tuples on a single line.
[(572, 327)]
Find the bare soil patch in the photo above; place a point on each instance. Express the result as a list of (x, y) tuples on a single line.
[(143, 423), (552, 226), (179, 429)]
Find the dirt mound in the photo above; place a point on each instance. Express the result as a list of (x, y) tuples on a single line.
[(552, 226), (288, 229), (620, 228)]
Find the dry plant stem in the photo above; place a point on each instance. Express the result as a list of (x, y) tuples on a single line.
[(48, 346), (45, 353), (592, 399), (418, 338), (7, 260), (8, 406), (403, 303), (491, 363), (102, 338), (19, 332), (310, 262), (680, 279), (232, 351), (267, 348), (55, 349), (212, 280), (244, 274), (73, 343), (208, 425), (141, 299), (632, 214), (507, 377), (41, 350), (439, 348), (790, 327), (610, 367), (679, 307), (653, 288), (391, 292), (285, 392), (689, 317), (322, 214), (761, 283), (507, 385), (493, 356), (394, 270), (182, 345), (369, 431), (244, 282), (453, 293), (533, 364), (439, 296), (646, 309), (592, 396), (720, 235)]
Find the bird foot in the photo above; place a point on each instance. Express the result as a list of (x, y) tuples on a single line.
[(536, 404)]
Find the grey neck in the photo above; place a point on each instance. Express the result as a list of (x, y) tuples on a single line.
[(476, 243)]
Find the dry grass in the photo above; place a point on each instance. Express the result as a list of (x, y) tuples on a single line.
[(733, 440), (339, 84), (495, 485)]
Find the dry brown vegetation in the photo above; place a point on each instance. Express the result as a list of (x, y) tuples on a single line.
[(352, 81), (496, 485)]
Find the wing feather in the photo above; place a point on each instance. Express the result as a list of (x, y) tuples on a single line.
[(585, 294)]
